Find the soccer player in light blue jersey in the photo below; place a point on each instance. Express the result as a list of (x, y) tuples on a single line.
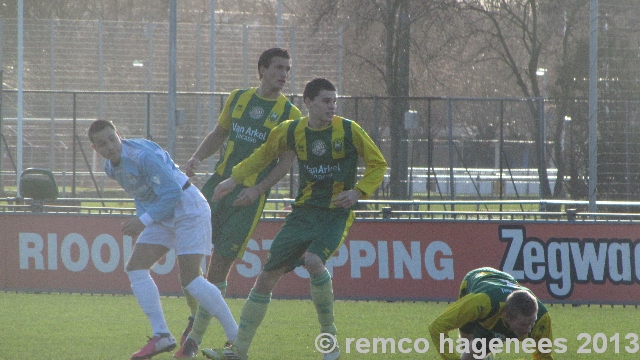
[(170, 214)]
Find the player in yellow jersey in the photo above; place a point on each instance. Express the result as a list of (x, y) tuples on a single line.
[(492, 305), (327, 148), (244, 123)]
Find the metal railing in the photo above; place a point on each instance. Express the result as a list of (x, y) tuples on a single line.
[(405, 210)]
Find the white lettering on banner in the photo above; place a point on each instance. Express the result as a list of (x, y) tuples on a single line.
[(402, 259), (31, 247), (52, 245), (563, 262), (114, 253), (252, 265), (104, 253), (362, 254), (445, 269), (65, 252), (437, 259)]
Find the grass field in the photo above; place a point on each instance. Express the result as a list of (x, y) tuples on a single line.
[(75, 326)]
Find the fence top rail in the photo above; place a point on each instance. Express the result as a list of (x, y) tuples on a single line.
[(376, 209), (625, 204)]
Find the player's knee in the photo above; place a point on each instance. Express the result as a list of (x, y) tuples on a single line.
[(138, 276), (267, 280), (313, 263)]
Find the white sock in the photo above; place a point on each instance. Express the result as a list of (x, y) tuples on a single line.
[(148, 296), (212, 301)]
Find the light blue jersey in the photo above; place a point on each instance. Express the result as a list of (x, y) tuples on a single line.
[(147, 173)]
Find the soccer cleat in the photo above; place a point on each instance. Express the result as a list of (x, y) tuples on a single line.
[(156, 345), (228, 352), (187, 330), (188, 350), (333, 355)]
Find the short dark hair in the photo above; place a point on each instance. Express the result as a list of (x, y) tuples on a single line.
[(521, 303), (313, 88), (267, 55), (99, 125)]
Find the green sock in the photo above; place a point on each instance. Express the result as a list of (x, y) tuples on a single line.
[(200, 325), (253, 312), (191, 301), (222, 286), (203, 318), (322, 297)]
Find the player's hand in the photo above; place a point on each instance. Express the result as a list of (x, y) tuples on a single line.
[(191, 166), (223, 189), (247, 196), (132, 227), (346, 199)]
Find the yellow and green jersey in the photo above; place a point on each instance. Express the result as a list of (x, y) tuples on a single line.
[(327, 159), (249, 119), (480, 307)]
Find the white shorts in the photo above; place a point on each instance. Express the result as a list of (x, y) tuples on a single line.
[(189, 231)]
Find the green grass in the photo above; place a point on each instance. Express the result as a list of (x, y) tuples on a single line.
[(74, 326)]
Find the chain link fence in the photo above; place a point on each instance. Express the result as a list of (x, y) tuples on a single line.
[(77, 71), (451, 151)]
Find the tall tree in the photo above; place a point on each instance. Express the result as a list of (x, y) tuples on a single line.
[(380, 40), (513, 34)]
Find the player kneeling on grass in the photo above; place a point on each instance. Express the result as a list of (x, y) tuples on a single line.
[(171, 214), (327, 148), (491, 305)]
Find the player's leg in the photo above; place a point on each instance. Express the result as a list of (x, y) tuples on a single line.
[(193, 242), (206, 293), (207, 192), (146, 292), (218, 269), (193, 307), (285, 254), (232, 227), (329, 233), (253, 312)]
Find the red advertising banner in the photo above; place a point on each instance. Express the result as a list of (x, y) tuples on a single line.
[(419, 260)]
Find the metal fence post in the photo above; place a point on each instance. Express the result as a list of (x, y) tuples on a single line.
[(292, 50), (452, 183), (212, 75), (245, 55), (501, 147), (172, 106), (52, 104), (73, 147), (1, 71)]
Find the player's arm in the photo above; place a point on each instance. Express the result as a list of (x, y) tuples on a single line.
[(213, 141), (250, 194), (467, 309), (374, 162), (275, 145), (542, 330)]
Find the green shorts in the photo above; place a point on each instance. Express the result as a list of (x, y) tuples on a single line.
[(232, 226), (320, 231)]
